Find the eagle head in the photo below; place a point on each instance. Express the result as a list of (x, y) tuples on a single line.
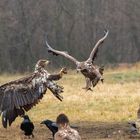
[(41, 64)]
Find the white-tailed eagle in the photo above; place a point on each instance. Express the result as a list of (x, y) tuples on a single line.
[(92, 73), (21, 95)]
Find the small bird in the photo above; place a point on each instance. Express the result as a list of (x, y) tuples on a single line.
[(135, 125), (51, 125), (27, 126), (133, 128)]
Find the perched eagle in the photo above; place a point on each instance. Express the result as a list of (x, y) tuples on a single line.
[(21, 95), (92, 73)]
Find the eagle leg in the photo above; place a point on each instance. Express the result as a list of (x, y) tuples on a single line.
[(88, 85), (95, 81)]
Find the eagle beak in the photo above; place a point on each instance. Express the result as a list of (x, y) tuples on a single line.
[(47, 62)]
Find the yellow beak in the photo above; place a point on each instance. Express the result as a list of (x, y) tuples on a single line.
[(47, 62)]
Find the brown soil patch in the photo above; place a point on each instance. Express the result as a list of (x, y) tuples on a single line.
[(87, 130)]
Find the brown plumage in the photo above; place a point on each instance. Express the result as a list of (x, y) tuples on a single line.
[(21, 95), (92, 73)]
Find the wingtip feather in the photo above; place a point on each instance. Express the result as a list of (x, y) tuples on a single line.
[(4, 119), (106, 31)]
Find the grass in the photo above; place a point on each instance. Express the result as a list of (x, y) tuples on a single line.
[(117, 100), (122, 77)]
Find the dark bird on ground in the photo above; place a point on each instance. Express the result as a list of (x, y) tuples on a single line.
[(93, 74), (21, 95), (135, 125), (53, 126), (133, 128), (27, 126)]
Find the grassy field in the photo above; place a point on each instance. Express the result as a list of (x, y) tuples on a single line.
[(101, 114)]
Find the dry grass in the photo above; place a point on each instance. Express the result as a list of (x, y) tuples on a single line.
[(114, 102)]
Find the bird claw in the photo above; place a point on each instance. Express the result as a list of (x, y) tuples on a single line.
[(102, 80), (87, 88)]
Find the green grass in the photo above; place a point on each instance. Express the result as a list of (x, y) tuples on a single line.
[(121, 77)]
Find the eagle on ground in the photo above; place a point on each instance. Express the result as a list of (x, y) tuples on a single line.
[(21, 95), (93, 74)]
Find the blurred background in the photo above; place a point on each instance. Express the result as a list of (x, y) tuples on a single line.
[(71, 25)]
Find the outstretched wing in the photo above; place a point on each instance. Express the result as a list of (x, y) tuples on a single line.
[(21, 95), (94, 52), (62, 53), (16, 97)]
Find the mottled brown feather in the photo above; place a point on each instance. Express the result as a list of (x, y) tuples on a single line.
[(21, 95)]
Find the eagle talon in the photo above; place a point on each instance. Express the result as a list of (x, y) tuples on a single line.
[(89, 89), (102, 80), (86, 89)]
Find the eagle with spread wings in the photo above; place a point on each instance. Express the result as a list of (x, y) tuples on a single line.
[(21, 95), (93, 74)]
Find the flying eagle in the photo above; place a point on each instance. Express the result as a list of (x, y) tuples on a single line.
[(21, 95), (92, 73)]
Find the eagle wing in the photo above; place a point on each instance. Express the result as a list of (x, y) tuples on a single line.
[(21, 95), (62, 53), (94, 52)]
